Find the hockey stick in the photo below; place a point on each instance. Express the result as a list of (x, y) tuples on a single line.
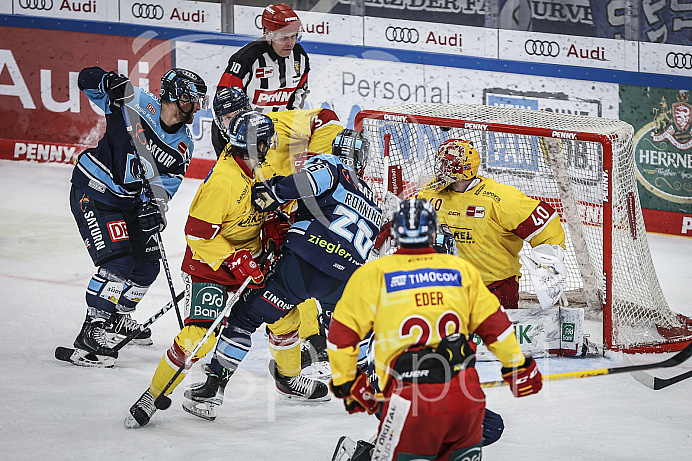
[(150, 197), (162, 402), (673, 361), (655, 383)]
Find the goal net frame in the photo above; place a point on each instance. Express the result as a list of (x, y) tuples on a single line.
[(601, 215)]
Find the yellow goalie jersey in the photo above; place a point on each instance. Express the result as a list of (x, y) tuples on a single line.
[(299, 131), (415, 297), (222, 219), (490, 221)]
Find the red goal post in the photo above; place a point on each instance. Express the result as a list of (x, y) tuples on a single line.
[(582, 166)]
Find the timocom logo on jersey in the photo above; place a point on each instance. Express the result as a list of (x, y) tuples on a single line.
[(271, 98), (264, 72), (475, 211)]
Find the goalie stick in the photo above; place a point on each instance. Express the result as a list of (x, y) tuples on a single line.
[(65, 354), (656, 383), (673, 361), (149, 193)]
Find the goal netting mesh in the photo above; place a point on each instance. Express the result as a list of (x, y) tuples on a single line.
[(582, 166)]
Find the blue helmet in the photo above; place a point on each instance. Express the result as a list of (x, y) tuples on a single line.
[(182, 85), (353, 148), (248, 129), (226, 101), (414, 223)]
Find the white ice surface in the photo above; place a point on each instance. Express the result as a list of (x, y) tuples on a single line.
[(57, 411)]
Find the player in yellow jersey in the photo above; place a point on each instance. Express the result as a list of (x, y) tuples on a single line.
[(490, 221), (222, 233), (300, 134), (421, 306)]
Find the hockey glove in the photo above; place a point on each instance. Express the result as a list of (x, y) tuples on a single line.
[(152, 218), (444, 242), (523, 380), (118, 87), (358, 395), (263, 199), (274, 228), (243, 265)]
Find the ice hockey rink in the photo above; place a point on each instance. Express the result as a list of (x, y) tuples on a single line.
[(55, 410)]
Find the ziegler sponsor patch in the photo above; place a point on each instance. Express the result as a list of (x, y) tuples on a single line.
[(425, 277)]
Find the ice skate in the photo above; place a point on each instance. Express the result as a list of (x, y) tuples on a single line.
[(121, 325), (91, 347), (201, 399), (314, 358), (300, 388), (142, 411)]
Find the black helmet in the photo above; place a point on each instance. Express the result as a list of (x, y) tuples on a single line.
[(181, 85), (353, 148), (248, 128), (226, 101), (414, 223)]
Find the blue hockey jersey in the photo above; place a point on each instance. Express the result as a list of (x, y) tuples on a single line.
[(337, 219), (108, 172)]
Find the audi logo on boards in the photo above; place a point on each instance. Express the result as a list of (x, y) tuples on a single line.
[(147, 11), (36, 4), (679, 60), (542, 48), (401, 34)]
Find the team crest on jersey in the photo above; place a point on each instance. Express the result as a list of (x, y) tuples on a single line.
[(151, 108), (475, 211), (296, 66), (264, 72)]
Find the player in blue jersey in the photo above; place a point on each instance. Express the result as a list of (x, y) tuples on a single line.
[(336, 221), (108, 200)]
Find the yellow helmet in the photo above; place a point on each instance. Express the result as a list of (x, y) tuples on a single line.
[(458, 160)]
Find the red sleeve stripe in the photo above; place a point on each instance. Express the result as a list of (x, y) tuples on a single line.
[(495, 327), (196, 229), (536, 221), (341, 336), (229, 80)]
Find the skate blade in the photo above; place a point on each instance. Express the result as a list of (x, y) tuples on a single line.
[(318, 370), (300, 399), (83, 358), (345, 448), (204, 410)]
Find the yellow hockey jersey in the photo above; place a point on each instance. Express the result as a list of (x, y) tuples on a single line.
[(299, 131), (415, 297), (222, 219), (490, 222)]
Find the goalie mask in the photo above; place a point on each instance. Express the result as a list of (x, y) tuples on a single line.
[(353, 149), (458, 160), (414, 223), (184, 86), (253, 132)]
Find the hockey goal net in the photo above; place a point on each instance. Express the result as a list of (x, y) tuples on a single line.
[(582, 166)]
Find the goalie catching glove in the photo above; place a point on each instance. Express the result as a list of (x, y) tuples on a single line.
[(523, 380), (358, 395), (243, 265)]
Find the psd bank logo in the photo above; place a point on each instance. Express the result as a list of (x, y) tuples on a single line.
[(42, 5)]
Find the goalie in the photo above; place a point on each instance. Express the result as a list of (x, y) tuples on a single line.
[(490, 222)]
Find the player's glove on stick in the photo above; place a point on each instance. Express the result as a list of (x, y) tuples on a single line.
[(151, 218), (118, 87), (523, 380), (358, 395), (243, 265), (263, 198), (274, 228)]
